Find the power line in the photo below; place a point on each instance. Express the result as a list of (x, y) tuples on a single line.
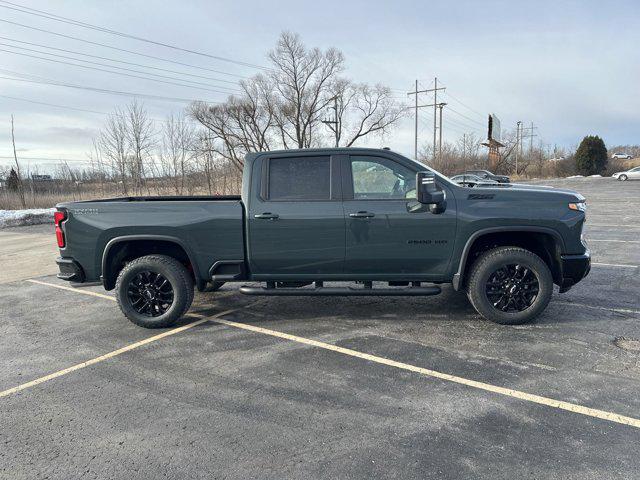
[(53, 105), (468, 118), (58, 18), (41, 81), (116, 73), (234, 82), (119, 49), (105, 65), (464, 105)]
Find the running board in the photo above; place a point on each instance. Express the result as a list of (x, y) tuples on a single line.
[(341, 292)]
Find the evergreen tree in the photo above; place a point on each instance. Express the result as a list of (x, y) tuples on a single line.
[(591, 156), (13, 182)]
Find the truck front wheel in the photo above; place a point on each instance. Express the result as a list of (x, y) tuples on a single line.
[(510, 285), (154, 291)]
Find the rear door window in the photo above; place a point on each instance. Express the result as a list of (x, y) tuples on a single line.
[(299, 178)]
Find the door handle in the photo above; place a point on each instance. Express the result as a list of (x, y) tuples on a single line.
[(266, 216), (362, 215)]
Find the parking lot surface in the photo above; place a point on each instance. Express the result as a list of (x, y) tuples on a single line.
[(287, 387)]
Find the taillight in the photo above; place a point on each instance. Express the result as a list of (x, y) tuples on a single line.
[(58, 218)]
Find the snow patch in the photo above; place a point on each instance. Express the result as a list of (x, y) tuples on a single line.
[(595, 176), (33, 216), (576, 176)]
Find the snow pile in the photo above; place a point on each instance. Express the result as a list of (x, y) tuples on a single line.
[(576, 176), (34, 216), (595, 176)]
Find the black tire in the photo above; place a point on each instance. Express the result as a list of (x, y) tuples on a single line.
[(622, 178), (500, 266), (161, 307)]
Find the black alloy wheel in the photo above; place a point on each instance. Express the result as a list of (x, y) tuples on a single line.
[(512, 288), (150, 293)]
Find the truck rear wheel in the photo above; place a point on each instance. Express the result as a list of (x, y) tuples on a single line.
[(154, 291), (510, 285)]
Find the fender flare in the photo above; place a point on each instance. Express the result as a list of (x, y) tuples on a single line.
[(457, 277), (164, 238)]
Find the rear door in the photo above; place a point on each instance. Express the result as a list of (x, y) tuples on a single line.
[(296, 220), (384, 238)]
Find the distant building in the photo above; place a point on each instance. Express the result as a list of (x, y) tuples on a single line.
[(41, 178)]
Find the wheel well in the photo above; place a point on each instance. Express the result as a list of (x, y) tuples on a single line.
[(127, 250), (542, 244)]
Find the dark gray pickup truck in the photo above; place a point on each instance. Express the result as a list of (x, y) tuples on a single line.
[(309, 217)]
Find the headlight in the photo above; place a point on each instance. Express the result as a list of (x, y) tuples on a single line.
[(578, 206)]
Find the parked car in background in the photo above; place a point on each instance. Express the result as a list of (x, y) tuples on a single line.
[(487, 175), (631, 174), (470, 180), (622, 156)]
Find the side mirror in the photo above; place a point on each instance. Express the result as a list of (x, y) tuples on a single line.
[(429, 192)]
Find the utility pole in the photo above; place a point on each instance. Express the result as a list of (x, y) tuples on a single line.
[(464, 152), (440, 107), (531, 141), (435, 111), (333, 124), (530, 136), (517, 144), (15, 157)]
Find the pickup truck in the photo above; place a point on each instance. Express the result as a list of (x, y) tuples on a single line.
[(308, 217)]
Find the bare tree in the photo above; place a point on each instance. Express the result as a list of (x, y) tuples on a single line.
[(177, 150), (303, 81), (364, 110), (141, 141), (284, 107), (242, 124), (113, 146)]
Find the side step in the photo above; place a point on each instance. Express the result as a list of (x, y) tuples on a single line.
[(341, 291)]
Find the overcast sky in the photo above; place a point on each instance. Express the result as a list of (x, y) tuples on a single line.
[(573, 68)]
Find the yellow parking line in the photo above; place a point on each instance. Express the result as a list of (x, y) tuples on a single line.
[(549, 402), (596, 307), (109, 355), (508, 392), (621, 265), (75, 290)]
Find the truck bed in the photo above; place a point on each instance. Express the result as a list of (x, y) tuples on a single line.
[(209, 228)]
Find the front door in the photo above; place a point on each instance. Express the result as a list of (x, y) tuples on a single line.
[(385, 239), (296, 223)]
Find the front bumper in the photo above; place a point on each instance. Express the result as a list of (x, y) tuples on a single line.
[(574, 269), (70, 270)]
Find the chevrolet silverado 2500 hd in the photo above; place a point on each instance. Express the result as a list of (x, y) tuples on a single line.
[(307, 217)]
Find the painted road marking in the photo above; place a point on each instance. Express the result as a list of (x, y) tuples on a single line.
[(625, 265), (114, 353), (71, 289), (508, 392), (611, 225), (596, 307), (614, 241)]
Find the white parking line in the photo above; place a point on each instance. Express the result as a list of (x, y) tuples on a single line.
[(508, 392)]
